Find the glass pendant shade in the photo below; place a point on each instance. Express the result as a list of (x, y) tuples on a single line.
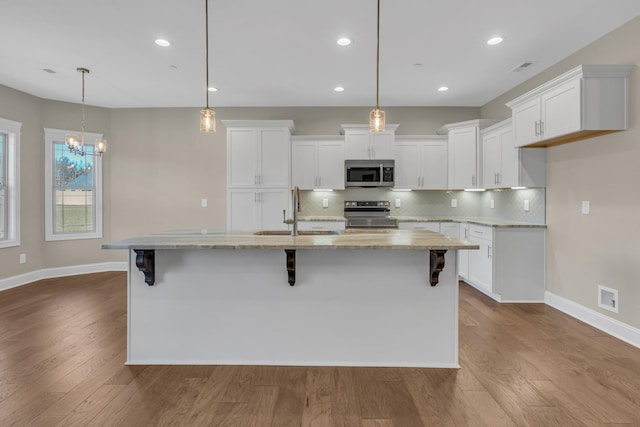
[(376, 120), (72, 142), (101, 146), (207, 120)]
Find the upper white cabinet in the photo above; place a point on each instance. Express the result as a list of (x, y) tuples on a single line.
[(421, 162), (362, 144), (258, 153), (317, 162), (464, 168), (504, 165), (587, 101)]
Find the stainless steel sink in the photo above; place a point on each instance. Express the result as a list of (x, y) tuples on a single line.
[(300, 233)]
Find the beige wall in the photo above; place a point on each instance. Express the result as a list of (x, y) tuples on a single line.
[(601, 248)]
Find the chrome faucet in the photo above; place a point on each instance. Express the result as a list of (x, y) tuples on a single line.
[(296, 208)]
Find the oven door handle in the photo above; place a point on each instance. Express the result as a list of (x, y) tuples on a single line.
[(381, 174)]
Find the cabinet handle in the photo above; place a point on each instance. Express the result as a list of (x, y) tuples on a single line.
[(473, 180), (541, 128), (255, 179), (537, 132), (498, 177), (319, 181), (255, 197), (488, 251)]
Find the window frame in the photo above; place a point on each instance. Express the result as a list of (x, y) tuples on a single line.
[(53, 136), (13, 130)]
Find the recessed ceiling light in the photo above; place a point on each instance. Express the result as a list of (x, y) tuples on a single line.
[(339, 89), (213, 89), (344, 41), (494, 40), (163, 42), (443, 89)]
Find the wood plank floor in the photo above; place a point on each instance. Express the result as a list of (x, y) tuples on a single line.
[(63, 342)]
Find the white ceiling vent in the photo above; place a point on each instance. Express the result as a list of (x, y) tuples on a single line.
[(521, 67), (48, 70)]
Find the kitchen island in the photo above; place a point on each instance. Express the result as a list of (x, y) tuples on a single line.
[(360, 298)]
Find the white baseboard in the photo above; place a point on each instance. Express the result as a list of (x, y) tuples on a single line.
[(620, 330), (72, 270)]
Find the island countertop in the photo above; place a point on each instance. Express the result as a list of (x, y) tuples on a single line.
[(345, 239)]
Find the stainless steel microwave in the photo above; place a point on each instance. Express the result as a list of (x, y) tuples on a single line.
[(369, 173)]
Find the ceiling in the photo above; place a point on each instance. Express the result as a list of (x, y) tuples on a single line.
[(284, 52)]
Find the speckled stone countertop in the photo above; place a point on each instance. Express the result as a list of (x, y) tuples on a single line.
[(349, 239), (474, 220)]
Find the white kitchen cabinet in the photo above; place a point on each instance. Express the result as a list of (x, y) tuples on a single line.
[(451, 229), (510, 264), (321, 225), (504, 165), (421, 225), (464, 168), (317, 162), (258, 153), (587, 101), (257, 209), (362, 144), (421, 162), (463, 256)]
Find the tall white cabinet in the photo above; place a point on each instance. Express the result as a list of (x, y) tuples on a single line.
[(317, 162), (464, 166), (421, 162), (258, 173), (504, 165)]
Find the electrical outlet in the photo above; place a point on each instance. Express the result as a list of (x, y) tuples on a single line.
[(23, 258), (492, 204), (204, 203), (397, 204), (454, 203), (585, 207), (527, 205), (325, 203)]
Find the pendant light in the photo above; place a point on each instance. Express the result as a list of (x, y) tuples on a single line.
[(75, 143), (376, 117), (207, 116)]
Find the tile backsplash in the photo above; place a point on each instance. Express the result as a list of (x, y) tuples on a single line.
[(508, 204)]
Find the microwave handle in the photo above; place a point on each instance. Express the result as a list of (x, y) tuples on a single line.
[(381, 174)]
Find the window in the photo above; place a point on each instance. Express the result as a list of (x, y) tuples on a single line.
[(9, 183), (73, 188)]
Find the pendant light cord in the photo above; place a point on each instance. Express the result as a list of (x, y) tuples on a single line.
[(84, 122), (206, 43), (378, 60)]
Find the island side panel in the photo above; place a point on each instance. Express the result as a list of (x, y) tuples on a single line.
[(347, 308)]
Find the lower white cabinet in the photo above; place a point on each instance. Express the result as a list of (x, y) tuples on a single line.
[(509, 266), (424, 225), (321, 225), (451, 229), (257, 209)]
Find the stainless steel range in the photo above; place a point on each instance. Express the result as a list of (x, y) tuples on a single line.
[(369, 214)]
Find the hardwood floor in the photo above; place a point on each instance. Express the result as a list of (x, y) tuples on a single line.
[(63, 341)]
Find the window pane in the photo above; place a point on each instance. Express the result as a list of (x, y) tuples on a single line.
[(3, 214), (74, 211), (73, 170)]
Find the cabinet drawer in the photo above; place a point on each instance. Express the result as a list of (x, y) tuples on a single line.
[(431, 226), (320, 225), (480, 232)]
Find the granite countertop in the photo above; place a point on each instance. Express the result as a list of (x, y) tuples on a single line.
[(471, 220), (345, 239)]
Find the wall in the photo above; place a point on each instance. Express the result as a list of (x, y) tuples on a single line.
[(601, 248)]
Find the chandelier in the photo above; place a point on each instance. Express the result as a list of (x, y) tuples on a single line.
[(76, 144)]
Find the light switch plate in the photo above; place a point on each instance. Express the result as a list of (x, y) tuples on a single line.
[(23, 258), (325, 203), (527, 206), (492, 204), (454, 203), (585, 207), (203, 203), (397, 203)]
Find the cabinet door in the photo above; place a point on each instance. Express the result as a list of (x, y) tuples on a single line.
[(481, 264), (271, 204), (451, 229), (331, 165), (431, 226), (526, 119), (407, 166), (463, 158), (463, 255), (357, 144), (303, 164), (561, 110), (241, 210), (382, 145), (242, 158), (274, 146), (492, 159), (433, 158), (510, 160)]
